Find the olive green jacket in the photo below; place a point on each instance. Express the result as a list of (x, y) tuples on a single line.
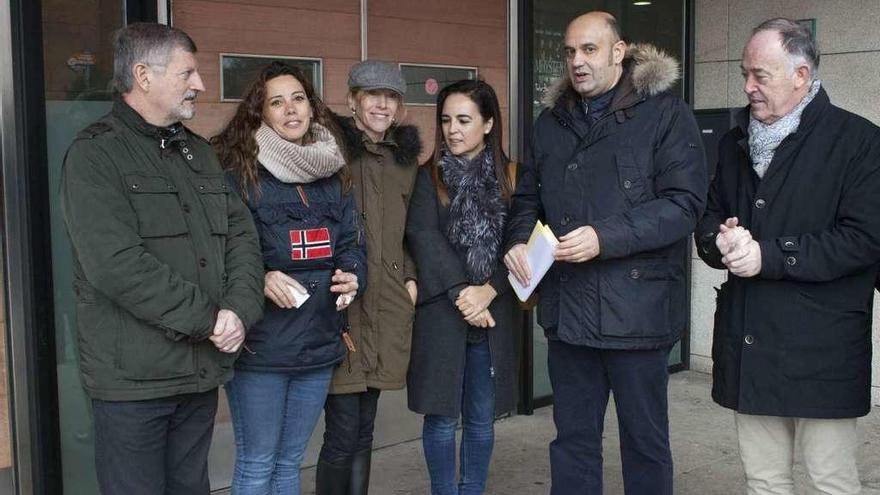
[(381, 320), (160, 245)]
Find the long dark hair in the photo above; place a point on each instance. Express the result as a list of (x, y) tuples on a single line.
[(236, 145), (482, 94)]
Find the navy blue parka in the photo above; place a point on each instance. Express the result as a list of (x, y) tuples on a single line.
[(306, 231), (637, 175)]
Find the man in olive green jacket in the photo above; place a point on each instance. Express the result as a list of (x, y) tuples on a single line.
[(167, 275)]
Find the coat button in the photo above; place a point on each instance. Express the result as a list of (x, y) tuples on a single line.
[(789, 244), (185, 150), (635, 274), (189, 157), (201, 188), (203, 372), (760, 203), (791, 260), (185, 208), (563, 277), (565, 220), (627, 184), (749, 340), (135, 186), (573, 166), (203, 262)]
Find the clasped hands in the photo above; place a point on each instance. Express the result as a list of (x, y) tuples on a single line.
[(739, 252), (473, 301)]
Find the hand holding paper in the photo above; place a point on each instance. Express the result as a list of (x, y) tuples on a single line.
[(539, 258), (284, 290)]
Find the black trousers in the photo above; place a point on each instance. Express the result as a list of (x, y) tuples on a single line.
[(582, 378), (154, 447), (349, 420)]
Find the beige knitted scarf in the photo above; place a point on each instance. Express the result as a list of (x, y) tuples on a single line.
[(293, 163)]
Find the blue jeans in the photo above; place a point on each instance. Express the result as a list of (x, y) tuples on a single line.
[(273, 415), (478, 431), (582, 378)]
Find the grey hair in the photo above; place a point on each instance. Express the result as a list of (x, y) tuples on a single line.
[(797, 41), (144, 43)]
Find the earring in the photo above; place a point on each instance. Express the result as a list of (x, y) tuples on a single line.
[(353, 111)]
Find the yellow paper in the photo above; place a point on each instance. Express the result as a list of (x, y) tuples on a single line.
[(540, 247)]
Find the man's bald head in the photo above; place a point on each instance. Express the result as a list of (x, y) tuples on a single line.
[(594, 53), (599, 16)]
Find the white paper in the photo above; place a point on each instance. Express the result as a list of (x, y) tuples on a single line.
[(298, 297), (342, 301), (540, 257)]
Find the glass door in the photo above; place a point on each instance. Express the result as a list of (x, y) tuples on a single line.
[(78, 68)]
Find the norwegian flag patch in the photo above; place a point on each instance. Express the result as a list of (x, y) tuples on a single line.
[(310, 244)]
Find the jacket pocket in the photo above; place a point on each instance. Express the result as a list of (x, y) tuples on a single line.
[(145, 353), (154, 199), (97, 329), (629, 178), (635, 298), (213, 191)]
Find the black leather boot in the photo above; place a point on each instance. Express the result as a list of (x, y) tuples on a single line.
[(332, 479), (360, 473)]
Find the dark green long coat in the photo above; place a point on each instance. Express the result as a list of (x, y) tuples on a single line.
[(381, 320)]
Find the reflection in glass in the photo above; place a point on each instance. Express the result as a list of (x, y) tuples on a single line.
[(5, 428)]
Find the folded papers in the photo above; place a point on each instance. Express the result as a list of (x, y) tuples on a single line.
[(541, 244)]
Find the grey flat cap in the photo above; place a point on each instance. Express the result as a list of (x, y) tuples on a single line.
[(374, 74)]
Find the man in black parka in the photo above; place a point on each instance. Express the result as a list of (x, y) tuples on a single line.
[(793, 216), (617, 171)]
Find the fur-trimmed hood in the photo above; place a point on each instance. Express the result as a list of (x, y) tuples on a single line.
[(404, 138), (648, 69)]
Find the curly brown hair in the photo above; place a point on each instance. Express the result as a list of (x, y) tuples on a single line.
[(236, 145)]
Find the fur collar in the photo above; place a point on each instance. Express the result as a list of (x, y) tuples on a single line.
[(647, 69), (404, 138)]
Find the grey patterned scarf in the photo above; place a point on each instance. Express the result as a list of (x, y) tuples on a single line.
[(765, 138), (476, 211)]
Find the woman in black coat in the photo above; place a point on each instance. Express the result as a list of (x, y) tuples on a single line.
[(463, 357)]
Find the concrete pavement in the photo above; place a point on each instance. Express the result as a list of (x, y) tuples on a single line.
[(703, 444)]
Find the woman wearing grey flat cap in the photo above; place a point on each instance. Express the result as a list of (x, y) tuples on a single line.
[(383, 157)]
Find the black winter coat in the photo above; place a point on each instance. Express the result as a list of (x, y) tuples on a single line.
[(795, 340), (439, 340), (307, 242), (638, 177)]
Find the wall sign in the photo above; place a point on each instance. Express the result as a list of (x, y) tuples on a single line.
[(237, 71), (424, 81)]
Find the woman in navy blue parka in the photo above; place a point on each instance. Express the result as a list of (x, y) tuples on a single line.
[(281, 155)]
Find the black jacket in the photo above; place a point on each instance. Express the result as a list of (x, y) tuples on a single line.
[(637, 175), (795, 340), (439, 339), (307, 242)]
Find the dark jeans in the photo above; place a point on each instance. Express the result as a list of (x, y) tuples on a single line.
[(349, 420), (582, 377), (477, 435), (154, 447)]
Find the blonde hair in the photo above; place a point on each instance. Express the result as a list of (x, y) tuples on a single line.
[(358, 94)]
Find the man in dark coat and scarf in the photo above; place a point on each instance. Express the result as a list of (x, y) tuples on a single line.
[(793, 216), (618, 172)]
